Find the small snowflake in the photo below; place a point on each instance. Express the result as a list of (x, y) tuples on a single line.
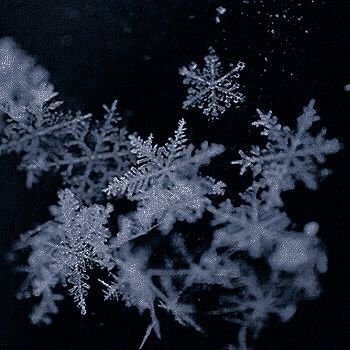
[(209, 89)]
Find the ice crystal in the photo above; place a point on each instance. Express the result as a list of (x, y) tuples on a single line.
[(258, 230), (210, 89), (254, 302), (220, 11), (166, 183), (62, 250), (88, 155), (250, 227), (293, 261), (134, 285), (289, 156)]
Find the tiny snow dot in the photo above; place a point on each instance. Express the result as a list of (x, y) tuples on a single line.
[(221, 10)]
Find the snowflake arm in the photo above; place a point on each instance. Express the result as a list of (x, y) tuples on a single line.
[(87, 156), (134, 286), (251, 227), (157, 165)]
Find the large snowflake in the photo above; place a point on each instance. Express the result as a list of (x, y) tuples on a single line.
[(62, 250), (210, 89), (166, 181)]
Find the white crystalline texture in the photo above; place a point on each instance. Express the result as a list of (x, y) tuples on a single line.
[(22, 81), (250, 227), (296, 252), (49, 139), (220, 11), (262, 266), (259, 229), (210, 89)]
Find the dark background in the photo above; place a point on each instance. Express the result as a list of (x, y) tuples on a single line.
[(129, 50)]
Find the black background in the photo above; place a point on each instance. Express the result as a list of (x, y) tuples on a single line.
[(129, 50)]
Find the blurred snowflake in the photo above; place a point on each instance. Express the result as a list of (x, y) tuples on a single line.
[(23, 82)]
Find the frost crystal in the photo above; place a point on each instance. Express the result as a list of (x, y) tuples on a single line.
[(62, 250), (289, 156), (210, 89)]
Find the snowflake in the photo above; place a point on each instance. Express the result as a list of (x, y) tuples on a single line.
[(38, 137), (166, 182), (92, 155), (289, 156), (253, 305), (210, 90), (87, 155), (61, 252), (135, 284)]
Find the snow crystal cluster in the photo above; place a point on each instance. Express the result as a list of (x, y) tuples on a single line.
[(103, 162)]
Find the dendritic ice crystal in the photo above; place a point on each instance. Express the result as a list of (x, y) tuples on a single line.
[(210, 89)]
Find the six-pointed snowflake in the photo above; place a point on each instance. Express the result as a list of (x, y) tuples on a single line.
[(210, 89)]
